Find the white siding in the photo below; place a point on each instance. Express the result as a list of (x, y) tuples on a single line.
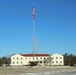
[(17, 60), (57, 59)]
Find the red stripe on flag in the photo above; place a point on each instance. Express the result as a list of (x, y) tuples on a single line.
[(33, 12)]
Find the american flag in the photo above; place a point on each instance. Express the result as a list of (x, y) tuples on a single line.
[(33, 12)]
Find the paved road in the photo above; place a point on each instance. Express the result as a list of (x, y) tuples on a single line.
[(59, 73), (67, 73)]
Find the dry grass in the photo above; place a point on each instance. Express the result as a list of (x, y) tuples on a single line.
[(20, 70)]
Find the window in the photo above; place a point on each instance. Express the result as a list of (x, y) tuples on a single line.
[(60, 57), (60, 61), (17, 62), (56, 57), (13, 58), (52, 61), (21, 62), (21, 58), (17, 58), (37, 58), (44, 57), (40, 58), (56, 61), (40, 61), (44, 62), (13, 62)]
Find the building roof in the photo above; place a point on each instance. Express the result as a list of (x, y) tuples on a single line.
[(57, 54), (29, 55)]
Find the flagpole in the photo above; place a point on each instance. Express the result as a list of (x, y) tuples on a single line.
[(33, 14), (33, 39)]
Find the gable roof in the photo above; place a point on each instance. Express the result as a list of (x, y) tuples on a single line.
[(57, 54), (29, 55)]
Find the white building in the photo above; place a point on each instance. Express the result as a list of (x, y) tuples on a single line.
[(24, 59), (41, 59), (57, 59)]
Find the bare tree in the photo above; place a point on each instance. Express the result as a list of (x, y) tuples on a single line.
[(48, 60)]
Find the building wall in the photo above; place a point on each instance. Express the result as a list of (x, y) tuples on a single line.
[(57, 59), (18, 59)]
